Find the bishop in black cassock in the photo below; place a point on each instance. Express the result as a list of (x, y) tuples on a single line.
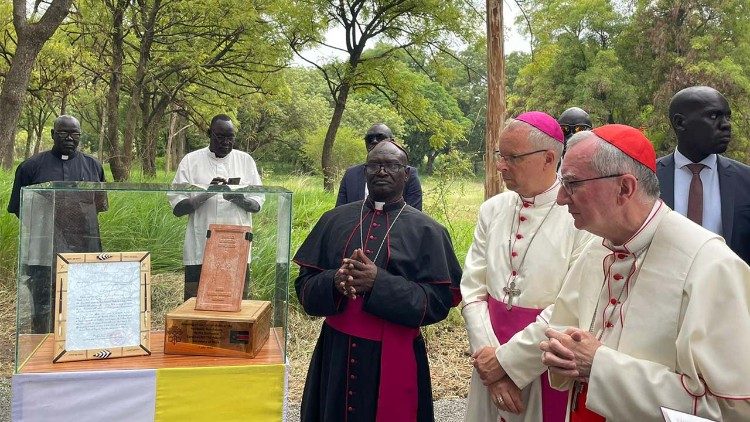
[(377, 269)]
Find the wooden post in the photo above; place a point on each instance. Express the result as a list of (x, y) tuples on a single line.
[(495, 95)]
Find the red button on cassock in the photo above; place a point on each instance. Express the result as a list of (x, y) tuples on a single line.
[(613, 301), (519, 236), (617, 276), (514, 253), (514, 273), (526, 204), (371, 237), (622, 255), (609, 324), (522, 218)]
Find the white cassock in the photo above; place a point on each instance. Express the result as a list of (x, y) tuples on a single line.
[(531, 242), (672, 307)]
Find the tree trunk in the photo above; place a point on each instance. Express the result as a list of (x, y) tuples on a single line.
[(39, 133), (179, 147), (13, 94), (30, 133), (64, 102), (120, 172), (31, 39), (430, 166), (131, 117), (333, 127), (102, 130), (174, 117), (495, 95)]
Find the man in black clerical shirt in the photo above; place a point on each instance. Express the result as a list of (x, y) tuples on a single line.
[(377, 269), (75, 227)]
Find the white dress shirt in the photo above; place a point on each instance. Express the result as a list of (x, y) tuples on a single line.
[(711, 194), (198, 168)]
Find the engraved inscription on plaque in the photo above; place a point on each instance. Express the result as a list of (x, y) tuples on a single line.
[(224, 267)]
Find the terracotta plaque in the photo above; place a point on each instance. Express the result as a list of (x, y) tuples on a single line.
[(224, 267)]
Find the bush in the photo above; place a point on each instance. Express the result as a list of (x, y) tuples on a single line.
[(348, 150)]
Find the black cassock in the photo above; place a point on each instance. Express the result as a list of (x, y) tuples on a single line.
[(416, 284)]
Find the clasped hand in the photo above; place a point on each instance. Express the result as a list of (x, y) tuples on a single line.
[(356, 275), (569, 353), (504, 392)]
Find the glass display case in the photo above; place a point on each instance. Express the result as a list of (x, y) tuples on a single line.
[(63, 217)]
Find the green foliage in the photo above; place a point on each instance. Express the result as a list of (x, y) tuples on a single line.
[(8, 230), (349, 149)]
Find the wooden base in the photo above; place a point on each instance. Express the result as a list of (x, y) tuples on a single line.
[(41, 359), (214, 333)]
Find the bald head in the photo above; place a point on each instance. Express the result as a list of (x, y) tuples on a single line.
[(693, 97), (386, 172), (389, 149), (376, 134), (66, 121), (700, 117), (66, 133)]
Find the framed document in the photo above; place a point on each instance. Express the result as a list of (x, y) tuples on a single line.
[(102, 305)]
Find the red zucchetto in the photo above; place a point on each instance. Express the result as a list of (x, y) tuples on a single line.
[(631, 141)]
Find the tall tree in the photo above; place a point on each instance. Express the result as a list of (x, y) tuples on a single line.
[(399, 23), (31, 37)]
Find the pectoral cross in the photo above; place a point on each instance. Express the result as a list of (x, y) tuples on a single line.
[(511, 291)]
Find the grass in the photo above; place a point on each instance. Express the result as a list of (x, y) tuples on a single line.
[(137, 221)]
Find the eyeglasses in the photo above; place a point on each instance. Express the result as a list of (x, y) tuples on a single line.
[(514, 158), (569, 185), (376, 137), (222, 138), (65, 135), (571, 129), (374, 168)]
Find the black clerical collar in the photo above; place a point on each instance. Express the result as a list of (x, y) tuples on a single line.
[(389, 206), (59, 155)]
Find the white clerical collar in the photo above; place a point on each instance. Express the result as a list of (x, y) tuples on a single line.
[(379, 205), (681, 161), (64, 157), (549, 195), (643, 236)]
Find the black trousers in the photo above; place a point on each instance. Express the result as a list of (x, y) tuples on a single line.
[(42, 289)]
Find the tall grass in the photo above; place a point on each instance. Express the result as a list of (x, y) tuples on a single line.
[(8, 231), (138, 221)]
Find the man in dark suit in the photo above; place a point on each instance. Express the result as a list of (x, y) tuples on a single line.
[(353, 185), (708, 188)]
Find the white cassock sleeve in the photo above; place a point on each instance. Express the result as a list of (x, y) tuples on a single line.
[(520, 357), (474, 286), (712, 379)]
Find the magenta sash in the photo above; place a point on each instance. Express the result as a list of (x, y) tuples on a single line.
[(506, 323), (397, 393)]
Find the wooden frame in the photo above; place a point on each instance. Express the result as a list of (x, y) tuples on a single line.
[(97, 300)]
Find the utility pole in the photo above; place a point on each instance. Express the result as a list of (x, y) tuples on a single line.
[(495, 95)]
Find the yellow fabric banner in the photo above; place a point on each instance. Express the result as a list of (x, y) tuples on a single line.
[(224, 393)]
